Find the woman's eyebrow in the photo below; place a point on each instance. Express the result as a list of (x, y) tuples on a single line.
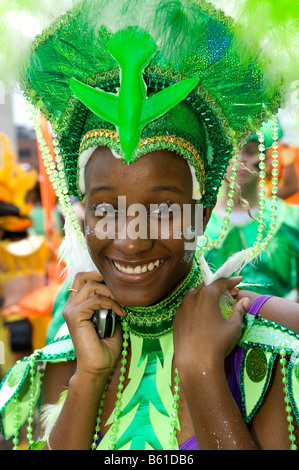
[(173, 189), (102, 188)]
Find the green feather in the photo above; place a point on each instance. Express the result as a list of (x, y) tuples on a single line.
[(268, 30), (20, 22)]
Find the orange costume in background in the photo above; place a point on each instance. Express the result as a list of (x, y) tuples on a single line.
[(27, 292), (294, 151), (288, 175)]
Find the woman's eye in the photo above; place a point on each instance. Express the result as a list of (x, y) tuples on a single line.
[(165, 209), (104, 209)]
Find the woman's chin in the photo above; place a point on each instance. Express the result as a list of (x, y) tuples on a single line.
[(137, 300), (141, 298)]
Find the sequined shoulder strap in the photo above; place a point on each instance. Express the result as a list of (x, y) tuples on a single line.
[(19, 391), (262, 342)]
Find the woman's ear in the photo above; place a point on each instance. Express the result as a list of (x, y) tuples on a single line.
[(207, 212)]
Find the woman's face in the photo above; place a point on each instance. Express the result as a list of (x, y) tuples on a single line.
[(139, 270)]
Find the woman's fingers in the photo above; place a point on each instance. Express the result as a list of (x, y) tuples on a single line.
[(219, 286), (88, 293), (97, 301), (240, 308), (91, 288), (224, 284), (82, 278), (85, 309), (88, 285)]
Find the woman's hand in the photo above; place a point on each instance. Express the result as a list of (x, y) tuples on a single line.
[(95, 356), (202, 340), (201, 335)]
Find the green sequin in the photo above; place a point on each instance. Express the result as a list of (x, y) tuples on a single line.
[(17, 374), (256, 365), (37, 445)]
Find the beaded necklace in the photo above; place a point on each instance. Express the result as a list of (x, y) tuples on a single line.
[(146, 326), (156, 320)]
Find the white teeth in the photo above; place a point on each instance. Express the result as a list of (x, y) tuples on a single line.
[(138, 269), (151, 266)]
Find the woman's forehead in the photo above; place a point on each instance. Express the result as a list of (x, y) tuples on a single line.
[(161, 165)]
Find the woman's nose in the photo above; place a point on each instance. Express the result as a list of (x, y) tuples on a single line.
[(133, 236)]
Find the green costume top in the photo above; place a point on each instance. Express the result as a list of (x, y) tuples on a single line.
[(148, 409), (277, 268)]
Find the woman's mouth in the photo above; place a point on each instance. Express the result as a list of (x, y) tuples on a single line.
[(138, 269)]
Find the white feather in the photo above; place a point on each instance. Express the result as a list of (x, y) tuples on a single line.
[(49, 415), (74, 252), (20, 23), (233, 265)]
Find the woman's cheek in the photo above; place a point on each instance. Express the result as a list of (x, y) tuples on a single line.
[(91, 240)]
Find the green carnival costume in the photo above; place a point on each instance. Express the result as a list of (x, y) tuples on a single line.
[(138, 76), (276, 270)]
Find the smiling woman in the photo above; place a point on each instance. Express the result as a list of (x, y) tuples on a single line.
[(161, 261), (148, 101)]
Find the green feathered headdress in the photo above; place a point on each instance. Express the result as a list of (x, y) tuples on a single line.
[(123, 73)]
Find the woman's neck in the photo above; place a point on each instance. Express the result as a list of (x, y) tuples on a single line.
[(156, 320)]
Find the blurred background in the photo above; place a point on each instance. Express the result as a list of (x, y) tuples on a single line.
[(31, 231)]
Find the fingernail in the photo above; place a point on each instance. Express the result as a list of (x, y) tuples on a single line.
[(234, 290), (246, 303)]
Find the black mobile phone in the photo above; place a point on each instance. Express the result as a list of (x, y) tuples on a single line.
[(104, 322)]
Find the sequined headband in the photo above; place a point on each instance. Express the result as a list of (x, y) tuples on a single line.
[(109, 138)]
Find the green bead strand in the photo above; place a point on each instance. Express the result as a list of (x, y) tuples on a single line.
[(230, 202), (262, 243), (30, 419), (288, 408), (175, 411), (231, 194), (55, 171), (32, 387), (98, 422), (262, 184), (15, 440), (119, 395)]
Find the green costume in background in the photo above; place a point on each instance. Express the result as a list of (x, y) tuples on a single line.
[(57, 318), (278, 266)]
